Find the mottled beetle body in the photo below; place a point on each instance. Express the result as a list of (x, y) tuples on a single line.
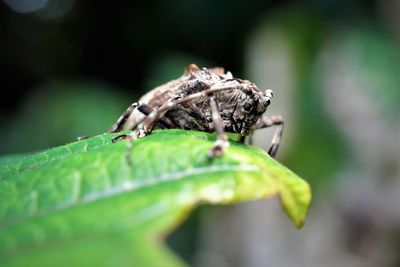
[(206, 100)]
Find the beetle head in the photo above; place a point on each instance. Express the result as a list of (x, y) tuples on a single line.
[(254, 105)]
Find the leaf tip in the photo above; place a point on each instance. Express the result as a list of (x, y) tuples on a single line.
[(296, 197)]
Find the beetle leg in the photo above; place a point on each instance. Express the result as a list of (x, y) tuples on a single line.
[(138, 129), (116, 127), (145, 110), (268, 121), (222, 140), (221, 143), (130, 137), (248, 140), (164, 122), (149, 122)]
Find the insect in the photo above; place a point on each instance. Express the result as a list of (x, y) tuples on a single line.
[(206, 100)]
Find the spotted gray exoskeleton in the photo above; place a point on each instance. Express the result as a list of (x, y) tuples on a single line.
[(206, 100)]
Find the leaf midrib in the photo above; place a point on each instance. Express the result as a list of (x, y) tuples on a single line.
[(129, 187)]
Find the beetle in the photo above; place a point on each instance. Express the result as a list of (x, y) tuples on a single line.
[(206, 100)]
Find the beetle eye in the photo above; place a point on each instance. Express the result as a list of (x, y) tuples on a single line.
[(247, 106)]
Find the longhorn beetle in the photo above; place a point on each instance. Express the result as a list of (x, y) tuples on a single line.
[(206, 100)]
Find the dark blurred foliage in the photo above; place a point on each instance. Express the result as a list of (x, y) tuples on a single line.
[(118, 43), (71, 67)]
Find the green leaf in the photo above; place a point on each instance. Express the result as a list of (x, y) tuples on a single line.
[(82, 204)]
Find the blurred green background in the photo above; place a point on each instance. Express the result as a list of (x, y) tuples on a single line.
[(69, 68)]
